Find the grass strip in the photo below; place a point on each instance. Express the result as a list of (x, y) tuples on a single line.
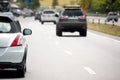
[(105, 28)]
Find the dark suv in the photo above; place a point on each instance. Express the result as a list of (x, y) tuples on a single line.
[(72, 19), (5, 6)]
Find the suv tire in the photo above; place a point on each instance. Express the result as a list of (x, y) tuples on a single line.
[(83, 32), (58, 32)]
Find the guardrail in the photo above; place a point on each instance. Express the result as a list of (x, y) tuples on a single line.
[(99, 15), (100, 21)]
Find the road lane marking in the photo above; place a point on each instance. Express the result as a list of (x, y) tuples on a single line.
[(104, 37), (68, 52), (89, 70)]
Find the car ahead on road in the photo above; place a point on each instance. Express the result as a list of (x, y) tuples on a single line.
[(112, 16), (27, 13), (38, 16), (48, 15), (16, 12), (72, 19), (13, 46), (4, 6)]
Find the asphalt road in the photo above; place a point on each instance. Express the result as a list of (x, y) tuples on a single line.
[(102, 20), (70, 57)]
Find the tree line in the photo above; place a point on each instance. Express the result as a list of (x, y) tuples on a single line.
[(102, 6)]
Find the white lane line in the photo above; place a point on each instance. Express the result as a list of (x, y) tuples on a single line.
[(105, 37), (68, 52), (89, 70)]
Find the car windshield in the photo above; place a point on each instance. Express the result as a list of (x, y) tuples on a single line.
[(72, 12)]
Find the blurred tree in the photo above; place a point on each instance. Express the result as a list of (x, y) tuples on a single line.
[(93, 5), (88, 2), (103, 6), (33, 4), (116, 5), (110, 5), (54, 3)]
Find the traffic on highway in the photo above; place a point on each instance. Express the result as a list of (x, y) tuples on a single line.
[(56, 43)]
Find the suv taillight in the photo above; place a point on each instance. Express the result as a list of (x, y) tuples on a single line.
[(17, 41), (82, 17), (63, 17)]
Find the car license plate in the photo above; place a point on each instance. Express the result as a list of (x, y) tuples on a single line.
[(73, 18)]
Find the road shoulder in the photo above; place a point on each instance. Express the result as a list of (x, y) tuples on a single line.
[(106, 35)]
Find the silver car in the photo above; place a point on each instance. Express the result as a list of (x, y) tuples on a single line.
[(112, 16), (13, 46), (48, 15)]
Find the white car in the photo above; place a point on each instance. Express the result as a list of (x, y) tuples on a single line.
[(13, 46), (48, 15)]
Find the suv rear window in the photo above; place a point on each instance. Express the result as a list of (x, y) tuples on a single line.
[(113, 14), (72, 12), (48, 12)]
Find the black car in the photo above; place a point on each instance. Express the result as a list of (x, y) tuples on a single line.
[(38, 16), (72, 19), (16, 12), (5, 6)]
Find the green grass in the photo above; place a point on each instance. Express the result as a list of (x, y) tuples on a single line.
[(105, 28)]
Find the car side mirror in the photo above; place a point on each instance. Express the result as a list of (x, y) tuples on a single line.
[(56, 15), (27, 31)]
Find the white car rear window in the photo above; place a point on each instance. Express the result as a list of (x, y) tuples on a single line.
[(48, 12), (5, 27)]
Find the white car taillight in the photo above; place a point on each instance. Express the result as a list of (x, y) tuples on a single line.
[(17, 41)]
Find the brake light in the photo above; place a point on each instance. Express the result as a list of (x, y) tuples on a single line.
[(63, 17), (82, 17), (17, 41)]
